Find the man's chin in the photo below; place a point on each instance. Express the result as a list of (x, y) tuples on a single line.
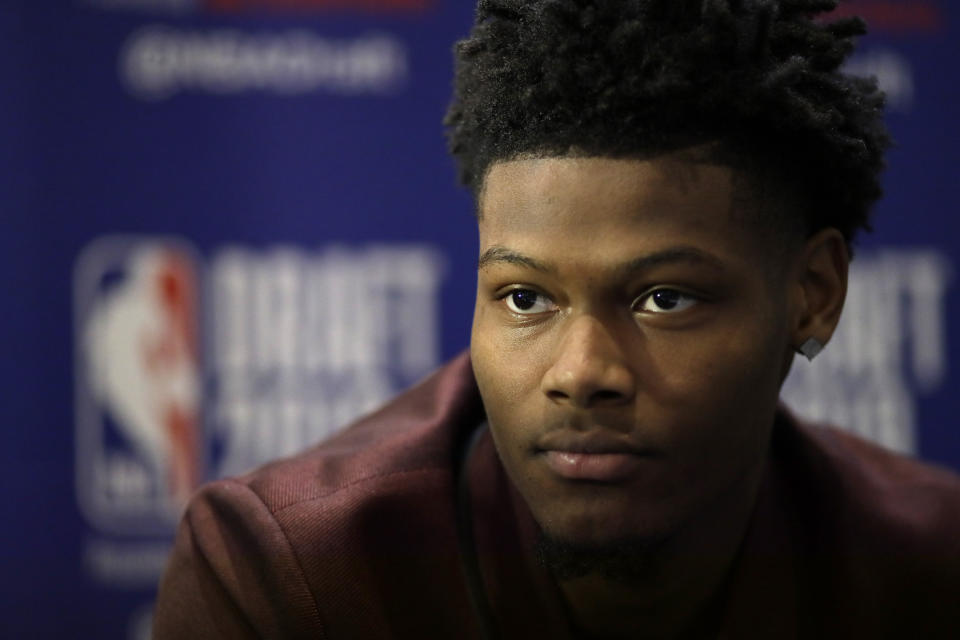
[(627, 560), (599, 525)]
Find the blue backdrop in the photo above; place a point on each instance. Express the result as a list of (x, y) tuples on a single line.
[(229, 226)]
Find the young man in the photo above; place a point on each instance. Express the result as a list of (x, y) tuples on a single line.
[(666, 194)]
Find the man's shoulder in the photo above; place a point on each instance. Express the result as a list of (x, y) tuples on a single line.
[(904, 501), (403, 449), (299, 546), (877, 533)]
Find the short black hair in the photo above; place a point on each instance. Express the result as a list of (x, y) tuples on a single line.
[(759, 79)]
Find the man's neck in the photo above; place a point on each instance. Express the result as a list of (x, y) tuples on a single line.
[(679, 594)]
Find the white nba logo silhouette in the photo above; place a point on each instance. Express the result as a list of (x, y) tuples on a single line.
[(139, 345)]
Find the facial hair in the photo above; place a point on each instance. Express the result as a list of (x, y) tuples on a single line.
[(629, 561)]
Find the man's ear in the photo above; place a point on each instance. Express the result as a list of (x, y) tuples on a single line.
[(821, 287)]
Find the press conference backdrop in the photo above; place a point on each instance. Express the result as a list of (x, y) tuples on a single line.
[(229, 226)]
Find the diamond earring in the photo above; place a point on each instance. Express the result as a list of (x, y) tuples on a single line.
[(810, 348)]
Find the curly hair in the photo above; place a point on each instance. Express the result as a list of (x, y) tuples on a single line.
[(758, 79)]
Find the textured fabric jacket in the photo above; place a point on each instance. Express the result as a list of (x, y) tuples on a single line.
[(357, 538)]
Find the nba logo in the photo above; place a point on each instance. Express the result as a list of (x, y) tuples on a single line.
[(138, 382)]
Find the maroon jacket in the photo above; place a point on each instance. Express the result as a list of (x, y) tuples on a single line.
[(357, 538)]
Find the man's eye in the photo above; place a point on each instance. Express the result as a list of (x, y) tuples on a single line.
[(666, 301), (527, 302)]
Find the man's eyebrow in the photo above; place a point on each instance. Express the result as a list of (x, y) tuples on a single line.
[(672, 255), (498, 253)]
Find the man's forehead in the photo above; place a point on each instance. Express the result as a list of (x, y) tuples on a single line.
[(627, 207), (541, 191), (683, 161)]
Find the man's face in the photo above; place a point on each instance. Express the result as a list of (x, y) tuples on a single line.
[(629, 341)]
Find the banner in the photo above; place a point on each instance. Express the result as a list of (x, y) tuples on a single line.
[(231, 226)]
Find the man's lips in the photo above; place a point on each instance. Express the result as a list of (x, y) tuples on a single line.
[(596, 467), (593, 456)]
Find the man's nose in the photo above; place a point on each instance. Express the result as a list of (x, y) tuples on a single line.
[(590, 368)]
